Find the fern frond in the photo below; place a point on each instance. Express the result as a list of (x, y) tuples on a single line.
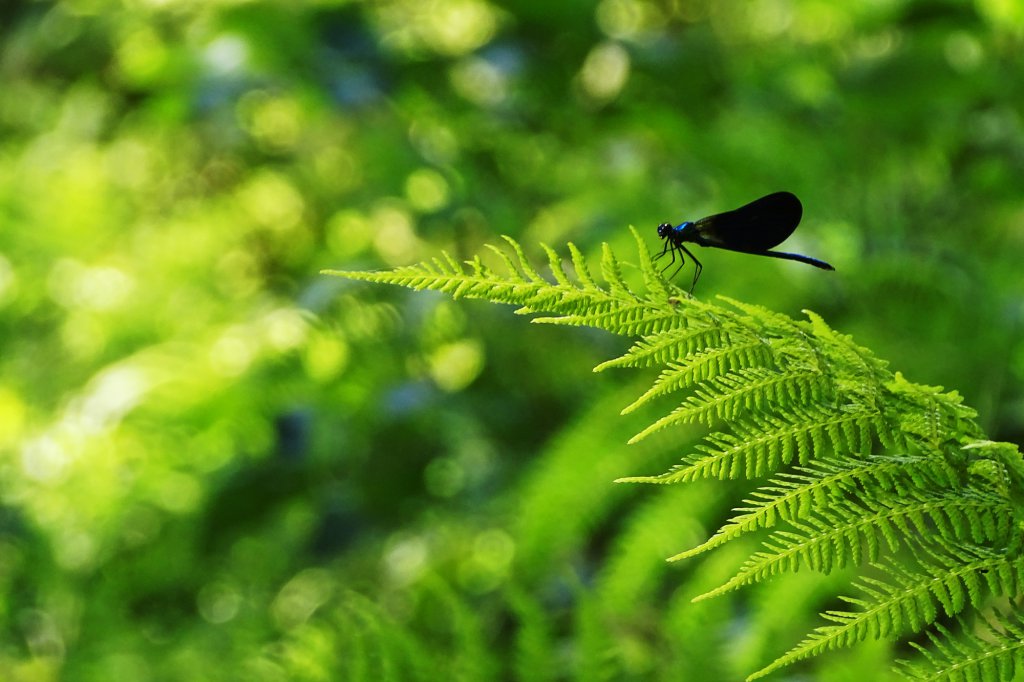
[(910, 600), (521, 261), (555, 263), (727, 397), (658, 288), (931, 416), (795, 495), (759, 446), (703, 366), (625, 318), (851, 531), (769, 323), (994, 652), (618, 310), (660, 349), (869, 374), (533, 638), (579, 264), (796, 400), (376, 647)]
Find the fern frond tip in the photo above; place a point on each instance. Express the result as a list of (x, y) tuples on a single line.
[(372, 276), (637, 479)]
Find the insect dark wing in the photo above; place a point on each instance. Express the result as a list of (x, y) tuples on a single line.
[(760, 225)]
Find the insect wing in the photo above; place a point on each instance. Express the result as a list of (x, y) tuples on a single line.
[(760, 225)]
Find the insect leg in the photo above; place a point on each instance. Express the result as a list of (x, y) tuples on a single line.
[(672, 251), (697, 267), (682, 261), (662, 252)]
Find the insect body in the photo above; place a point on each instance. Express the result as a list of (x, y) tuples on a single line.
[(755, 228)]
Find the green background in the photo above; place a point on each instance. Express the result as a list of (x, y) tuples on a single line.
[(218, 464)]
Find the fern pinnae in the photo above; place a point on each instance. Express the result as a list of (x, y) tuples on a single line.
[(928, 415), (850, 358), (759, 446), (699, 367), (850, 531), (997, 653), (796, 494), (965, 514), (657, 286), (513, 271), (555, 265), (447, 263), (761, 319), (799, 398), (523, 262), (611, 271), (832, 539), (624, 318), (579, 264), (726, 397), (907, 602), (664, 347)]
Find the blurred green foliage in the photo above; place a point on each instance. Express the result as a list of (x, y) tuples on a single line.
[(217, 464)]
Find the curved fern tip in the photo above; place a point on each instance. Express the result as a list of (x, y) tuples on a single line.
[(354, 274), (637, 479)]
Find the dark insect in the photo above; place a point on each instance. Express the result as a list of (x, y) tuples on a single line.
[(755, 228)]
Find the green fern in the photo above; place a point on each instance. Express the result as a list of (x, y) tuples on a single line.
[(868, 469), (994, 652)]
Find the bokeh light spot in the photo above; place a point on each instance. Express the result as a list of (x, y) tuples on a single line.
[(451, 27), (238, 273), (426, 190), (218, 602), (75, 285), (8, 280), (444, 477), (963, 51), (337, 169), (75, 550), (605, 71), (394, 238), (141, 56), (405, 559), (454, 366), (286, 329), (1007, 14), (83, 334), (435, 141), (226, 54), (349, 233), (178, 492), (479, 81), (325, 356), (272, 200), (494, 548), (488, 565), (110, 396), (769, 18), (130, 163), (301, 597), (818, 22), (275, 122), (627, 19), (44, 459), (12, 416), (232, 353)]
